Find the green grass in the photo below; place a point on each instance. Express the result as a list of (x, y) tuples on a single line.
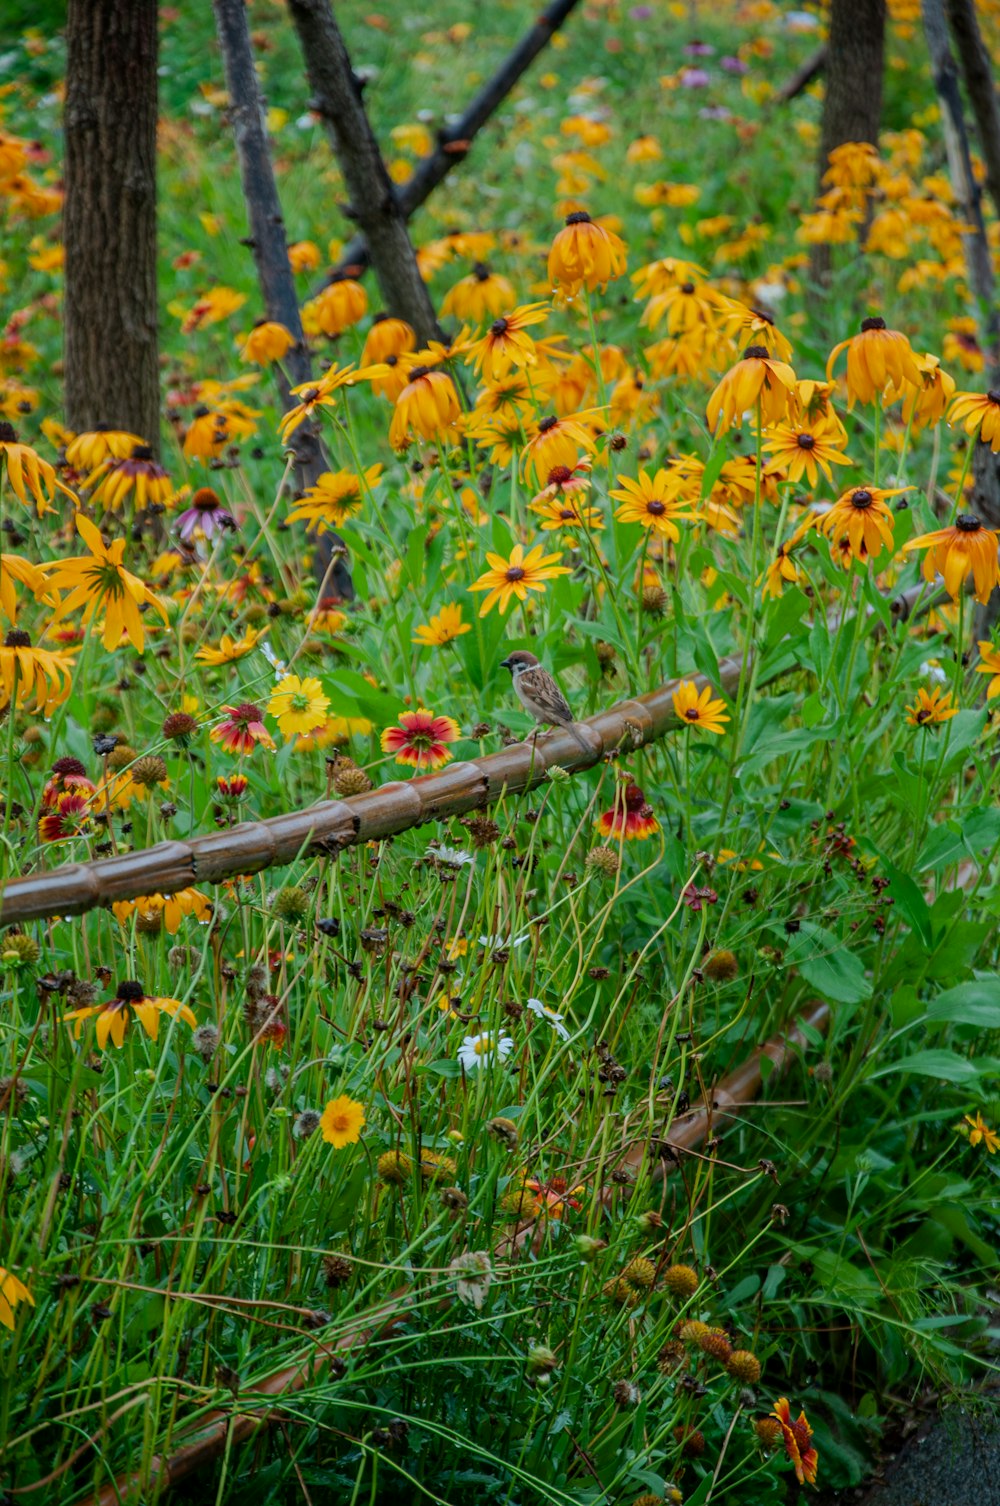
[(169, 1217)]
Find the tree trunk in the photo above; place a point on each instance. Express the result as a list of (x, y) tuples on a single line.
[(852, 102), (977, 69), (109, 222), (270, 252), (374, 205)]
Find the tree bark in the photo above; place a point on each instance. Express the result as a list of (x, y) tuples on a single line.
[(270, 252), (109, 220), (977, 69), (374, 205), (455, 141), (852, 103)]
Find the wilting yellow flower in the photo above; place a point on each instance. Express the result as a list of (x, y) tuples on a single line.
[(989, 664), (171, 907), (653, 502), (229, 649), (931, 707), (98, 580), (337, 308), (861, 519), (584, 255), (342, 1121), (517, 576), (139, 472), (877, 357), (31, 478), (13, 567), (323, 394), (702, 711), (336, 497), (442, 628), (387, 337), (44, 673), (298, 705), (268, 341), (483, 294), (978, 413), (756, 377), (558, 442), (87, 451), (113, 1016), (926, 405), (751, 327), (953, 552), (12, 1291), (427, 407)]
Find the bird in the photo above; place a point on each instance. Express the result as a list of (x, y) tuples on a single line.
[(538, 693)]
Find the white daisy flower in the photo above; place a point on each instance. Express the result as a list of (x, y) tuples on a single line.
[(934, 673), (278, 665), (451, 857), (497, 943), (555, 1020), (483, 1050)]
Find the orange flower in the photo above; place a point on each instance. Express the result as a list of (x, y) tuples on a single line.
[(954, 552), (630, 819), (427, 407), (517, 576), (931, 707), (756, 377), (876, 357), (584, 255), (798, 1442), (557, 443), (387, 337), (420, 739), (860, 520), (978, 413), (505, 345)]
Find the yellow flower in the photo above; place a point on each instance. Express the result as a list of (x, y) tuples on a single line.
[(113, 1016), (517, 576), (31, 478), (99, 580), (990, 665), (342, 1122), (558, 442), (323, 394), (13, 567), (877, 357), (860, 520), (932, 707), (979, 1130), (87, 451), (805, 449), (298, 705), (653, 502), (442, 628), (45, 672), (978, 413), (172, 907), (756, 377), (229, 649), (12, 1291), (924, 406), (954, 552), (268, 341), (505, 344), (387, 337), (584, 254), (483, 294), (701, 711), (426, 408), (139, 472), (751, 327), (337, 308), (336, 497)]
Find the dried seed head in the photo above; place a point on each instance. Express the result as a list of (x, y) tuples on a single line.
[(716, 1343), (625, 1393), (179, 727), (721, 967), (119, 757), (640, 1272), (337, 1270), (149, 770), (504, 1130), (291, 904), (205, 1041), (671, 1358), (454, 1199), (18, 950), (603, 862), (394, 1168), (744, 1367), (306, 1124), (681, 1280), (692, 1442), (768, 1430), (351, 781), (693, 1331)]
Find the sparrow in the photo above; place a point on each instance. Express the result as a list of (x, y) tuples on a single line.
[(538, 693)]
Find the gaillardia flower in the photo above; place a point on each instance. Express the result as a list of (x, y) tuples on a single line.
[(420, 740), (298, 705), (953, 552), (242, 729), (631, 817), (798, 1441)]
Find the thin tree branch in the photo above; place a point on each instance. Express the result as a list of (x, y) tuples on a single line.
[(803, 76), (270, 252)]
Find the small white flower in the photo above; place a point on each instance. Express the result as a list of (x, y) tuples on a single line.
[(496, 943), (934, 673), (473, 1273), (451, 857), (555, 1020), (483, 1050), (278, 665)]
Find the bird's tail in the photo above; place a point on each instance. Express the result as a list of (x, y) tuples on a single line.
[(578, 736)]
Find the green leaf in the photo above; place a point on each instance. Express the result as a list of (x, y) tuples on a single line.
[(813, 711), (948, 1066), (909, 902), (827, 965), (975, 1003)]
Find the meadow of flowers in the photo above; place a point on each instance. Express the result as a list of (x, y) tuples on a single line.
[(386, 1130)]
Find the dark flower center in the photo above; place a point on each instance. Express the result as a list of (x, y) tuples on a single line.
[(418, 372), (515, 573), (8, 434), (205, 500), (559, 475), (547, 424), (634, 798), (967, 522), (200, 412), (244, 713), (756, 353), (143, 451), (806, 441), (655, 508), (130, 992), (760, 314), (310, 395), (877, 322), (481, 272), (687, 287), (994, 397), (861, 499), (392, 360), (498, 327), (691, 714), (581, 217), (17, 638), (378, 318)]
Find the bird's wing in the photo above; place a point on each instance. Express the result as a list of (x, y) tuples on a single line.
[(538, 685)]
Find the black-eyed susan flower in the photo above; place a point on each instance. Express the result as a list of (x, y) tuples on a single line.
[(426, 408), (686, 306), (138, 475), (805, 450), (631, 818), (989, 664), (170, 909), (342, 304), (207, 516), (30, 478), (12, 1292), (652, 502), (342, 1121), (699, 709), (323, 394), (267, 342), (931, 707), (505, 344), (230, 649), (99, 581), (967, 546), (658, 276), (482, 295), (85, 452), (565, 511), (979, 414), (421, 739), (13, 567), (584, 255), (443, 627), (387, 337), (503, 435), (113, 1016), (557, 442), (298, 705), (336, 497), (877, 357), (46, 675), (516, 576), (861, 519), (797, 1438), (926, 405), (241, 729), (756, 378), (207, 434), (753, 327)]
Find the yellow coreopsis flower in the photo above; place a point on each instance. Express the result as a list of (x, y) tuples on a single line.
[(443, 627), (517, 576), (98, 581), (342, 1121), (298, 705), (230, 649)]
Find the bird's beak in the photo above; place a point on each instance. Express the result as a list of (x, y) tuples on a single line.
[(505, 664)]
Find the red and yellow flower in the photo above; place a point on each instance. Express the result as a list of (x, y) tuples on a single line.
[(242, 729), (797, 1437), (421, 739), (630, 819)]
